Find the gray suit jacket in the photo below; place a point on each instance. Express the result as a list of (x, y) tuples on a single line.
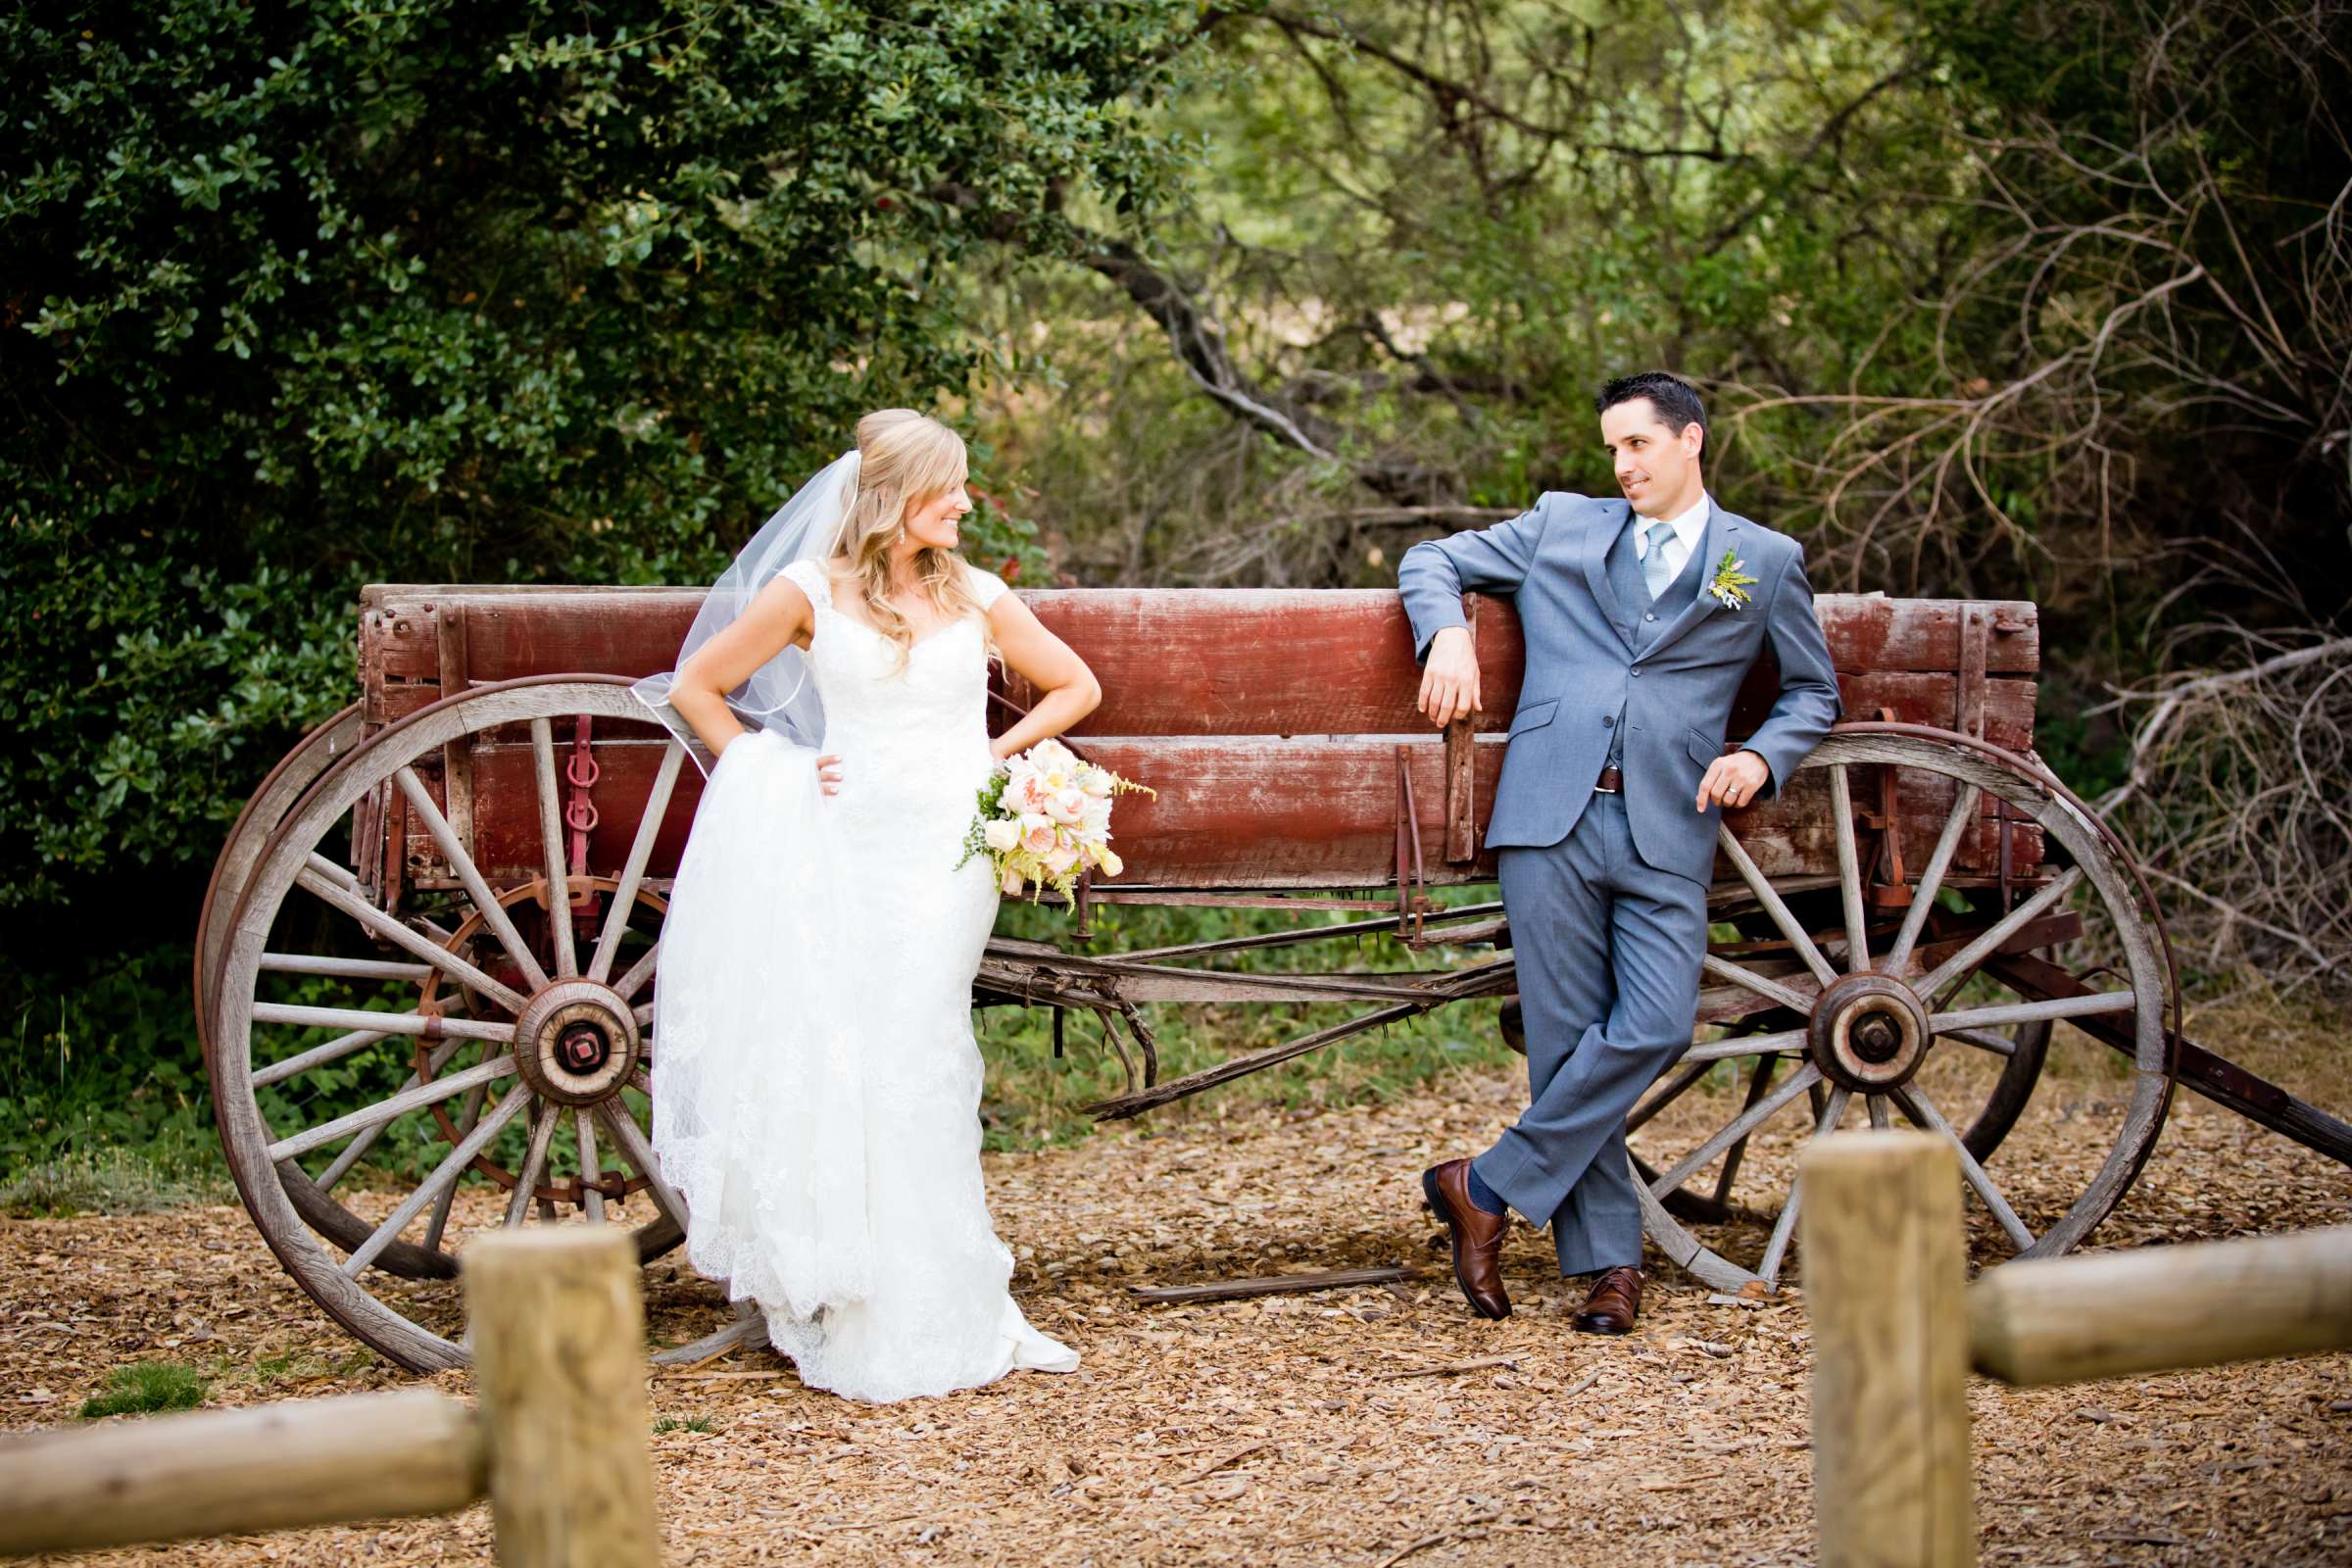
[(1584, 675)]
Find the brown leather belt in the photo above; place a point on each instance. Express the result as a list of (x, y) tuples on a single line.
[(1612, 782)]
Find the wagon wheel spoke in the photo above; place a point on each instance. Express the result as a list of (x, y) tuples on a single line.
[(2012, 1012), (391, 1024), (592, 1172), (392, 1109), (339, 1167), (534, 1165), (334, 1050), (551, 836), (335, 871), (478, 887), (1758, 1082), (444, 1175), (641, 849), (1961, 964), (468, 1117), (1690, 1073), (1931, 879), (1877, 1112), (1780, 1040), (1784, 1229), (1984, 1040), (1922, 1111), (342, 969), (639, 1152), (1736, 1128), (353, 1151), (638, 973), (1764, 986), (1765, 894), (380, 925), (1849, 870)]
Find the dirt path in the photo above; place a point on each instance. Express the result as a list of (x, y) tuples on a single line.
[(1279, 1431)]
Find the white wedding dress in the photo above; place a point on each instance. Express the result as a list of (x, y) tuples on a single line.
[(817, 1087)]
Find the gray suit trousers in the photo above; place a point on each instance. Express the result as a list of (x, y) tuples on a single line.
[(1606, 1010)]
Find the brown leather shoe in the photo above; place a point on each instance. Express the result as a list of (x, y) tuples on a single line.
[(1477, 1237), (1615, 1302)]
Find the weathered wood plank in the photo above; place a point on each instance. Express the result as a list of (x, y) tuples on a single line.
[(1292, 662), (2117, 1314), (284, 1466)]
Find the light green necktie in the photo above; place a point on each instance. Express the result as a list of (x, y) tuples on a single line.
[(1654, 571)]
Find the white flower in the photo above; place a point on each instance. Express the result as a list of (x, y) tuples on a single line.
[(1051, 757), (1001, 836)]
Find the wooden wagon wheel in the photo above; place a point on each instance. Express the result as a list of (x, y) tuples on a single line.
[(560, 1035), (319, 750), (323, 747), (1872, 1014)]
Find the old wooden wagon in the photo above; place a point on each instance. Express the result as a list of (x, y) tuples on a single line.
[(465, 872)]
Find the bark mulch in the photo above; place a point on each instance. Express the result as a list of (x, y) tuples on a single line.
[(1368, 1426)]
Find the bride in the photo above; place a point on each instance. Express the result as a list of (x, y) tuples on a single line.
[(819, 1087)]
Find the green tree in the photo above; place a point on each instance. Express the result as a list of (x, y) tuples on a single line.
[(296, 297)]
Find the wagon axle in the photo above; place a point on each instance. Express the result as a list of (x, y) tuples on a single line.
[(584, 1047), (582, 1042), (1868, 1033)]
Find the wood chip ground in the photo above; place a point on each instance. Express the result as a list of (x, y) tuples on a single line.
[(1284, 1429)]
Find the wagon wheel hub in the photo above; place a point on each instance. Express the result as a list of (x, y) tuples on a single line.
[(577, 1043), (1868, 1033)]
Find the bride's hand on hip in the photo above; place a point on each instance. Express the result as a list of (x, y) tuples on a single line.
[(828, 774)]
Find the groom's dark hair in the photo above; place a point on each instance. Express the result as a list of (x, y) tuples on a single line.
[(1675, 399)]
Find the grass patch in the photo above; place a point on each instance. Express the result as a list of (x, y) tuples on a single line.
[(107, 1180), (684, 1423), (303, 1363), (1035, 1100), (147, 1386)]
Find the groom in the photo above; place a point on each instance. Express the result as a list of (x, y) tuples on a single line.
[(1642, 617)]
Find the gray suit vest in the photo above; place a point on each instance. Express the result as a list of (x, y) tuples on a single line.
[(1633, 589)]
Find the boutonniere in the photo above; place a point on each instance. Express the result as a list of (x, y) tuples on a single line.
[(1731, 584)]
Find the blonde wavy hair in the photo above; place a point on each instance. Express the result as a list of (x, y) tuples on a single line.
[(904, 460)]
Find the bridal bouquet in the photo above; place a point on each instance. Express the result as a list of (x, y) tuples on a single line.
[(1044, 816)]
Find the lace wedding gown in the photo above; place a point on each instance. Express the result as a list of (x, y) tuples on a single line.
[(818, 1091)]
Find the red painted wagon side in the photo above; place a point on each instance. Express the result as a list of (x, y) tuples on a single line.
[(1281, 720)]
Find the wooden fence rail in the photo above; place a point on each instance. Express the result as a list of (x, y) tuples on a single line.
[(1897, 1327), (558, 1442)]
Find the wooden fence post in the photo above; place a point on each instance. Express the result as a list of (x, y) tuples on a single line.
[(559, 1348), (1884, 1276)]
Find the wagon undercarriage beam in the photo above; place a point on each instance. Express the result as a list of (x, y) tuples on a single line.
[(2218, 1080)]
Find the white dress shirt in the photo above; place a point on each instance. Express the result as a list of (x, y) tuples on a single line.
[(1689, 530)]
